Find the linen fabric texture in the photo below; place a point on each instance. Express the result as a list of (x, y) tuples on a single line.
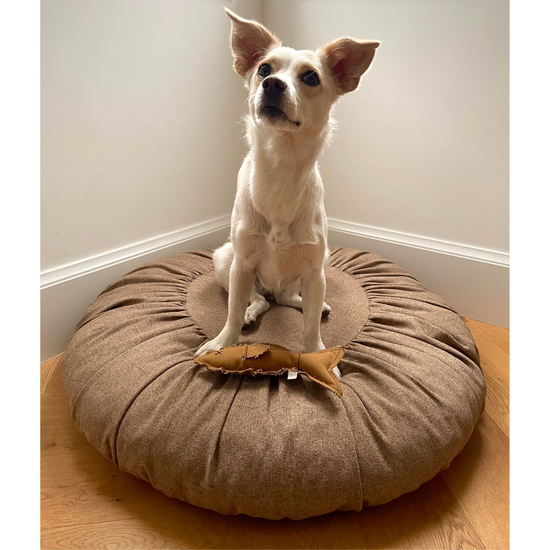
[(412, 390)]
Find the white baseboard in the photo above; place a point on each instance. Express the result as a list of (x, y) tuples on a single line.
[(422, 243), (66, 291), (472, 280), (111, 258)]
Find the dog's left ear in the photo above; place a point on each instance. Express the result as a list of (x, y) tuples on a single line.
[(249, 42), (347, 60)]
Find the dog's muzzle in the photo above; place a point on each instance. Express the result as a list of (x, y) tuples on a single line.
[(273, 94)]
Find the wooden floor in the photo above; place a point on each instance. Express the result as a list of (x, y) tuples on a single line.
[(86, 502)]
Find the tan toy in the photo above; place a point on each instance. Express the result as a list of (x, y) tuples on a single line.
[(261, 359)]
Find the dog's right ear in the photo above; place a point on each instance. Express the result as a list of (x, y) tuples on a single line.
[(249, 42)]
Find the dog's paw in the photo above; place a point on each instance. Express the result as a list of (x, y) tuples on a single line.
[(212, 345), (249, 318), (326, 309)]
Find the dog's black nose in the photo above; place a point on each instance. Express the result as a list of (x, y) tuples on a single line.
[(274, 85)]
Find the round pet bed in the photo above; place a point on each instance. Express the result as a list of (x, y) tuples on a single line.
[(265, 445)]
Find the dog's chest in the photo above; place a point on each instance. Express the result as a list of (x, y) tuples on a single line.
[(279, 267), (278, 204), (281, 187), (286, 217), (287, 211)]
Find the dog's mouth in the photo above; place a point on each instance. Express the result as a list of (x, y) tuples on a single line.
[(275, 113)]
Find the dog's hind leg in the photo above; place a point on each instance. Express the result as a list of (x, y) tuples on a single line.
[(223, 257), (258, 304), (291, 297)]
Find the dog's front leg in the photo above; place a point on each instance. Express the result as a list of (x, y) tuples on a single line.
[(313, 295), (241, 280)]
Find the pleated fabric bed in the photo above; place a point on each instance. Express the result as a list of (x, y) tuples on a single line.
[(266, 446)]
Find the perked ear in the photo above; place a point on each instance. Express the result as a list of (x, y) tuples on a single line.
[(249, 42), (348, 59)]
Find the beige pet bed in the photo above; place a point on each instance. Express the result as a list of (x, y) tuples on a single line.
[(412, 391)]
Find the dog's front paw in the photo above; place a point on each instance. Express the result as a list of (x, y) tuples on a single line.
[(213, 345)]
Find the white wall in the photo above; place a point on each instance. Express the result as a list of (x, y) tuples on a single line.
[(142, 141), (419, 162), (422, 146), (141, 131)]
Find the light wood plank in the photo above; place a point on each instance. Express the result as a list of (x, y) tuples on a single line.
[(336, 530), (47, 368), (429, 518), (479, 479), (57, 429), (498, 335), (139, 532), (496, 369), (480, 475)]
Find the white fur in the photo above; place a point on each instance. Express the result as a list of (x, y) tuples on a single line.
[(278, 237)]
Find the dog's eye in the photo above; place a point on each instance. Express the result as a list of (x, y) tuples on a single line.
[(264, 70), (311, 78)]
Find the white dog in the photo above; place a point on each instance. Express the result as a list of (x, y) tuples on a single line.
[(278, 240)]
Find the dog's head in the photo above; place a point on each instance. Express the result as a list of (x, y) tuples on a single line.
[(293, 90)]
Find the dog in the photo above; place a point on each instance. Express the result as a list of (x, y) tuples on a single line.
[(278, 242)]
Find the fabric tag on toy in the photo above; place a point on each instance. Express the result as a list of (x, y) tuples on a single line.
[(292, 375)]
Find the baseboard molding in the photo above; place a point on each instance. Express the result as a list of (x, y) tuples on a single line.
[(467, 252), (111, 258), (66, 291), (474, 281)]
